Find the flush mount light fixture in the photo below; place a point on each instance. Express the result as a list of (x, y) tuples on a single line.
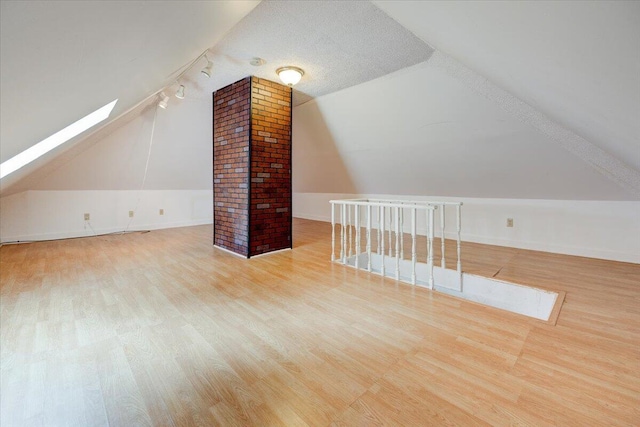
[(164, 101), (290, 75), (180, 92), (208, 69)]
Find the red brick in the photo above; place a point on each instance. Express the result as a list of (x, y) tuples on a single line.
[(268, 205)]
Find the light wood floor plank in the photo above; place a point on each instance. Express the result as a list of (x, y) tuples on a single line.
[(162, 329)]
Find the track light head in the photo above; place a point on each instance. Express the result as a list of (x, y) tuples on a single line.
[(164, 101), (208, 69), (180, 92)]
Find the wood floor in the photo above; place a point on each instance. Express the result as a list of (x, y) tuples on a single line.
[(163, 329)]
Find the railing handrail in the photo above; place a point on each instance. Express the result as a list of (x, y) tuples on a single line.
[(388, 204), (429, 202)]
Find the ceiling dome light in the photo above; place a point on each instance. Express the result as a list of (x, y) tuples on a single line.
[(164, 101), (290, 75), (180, 92), (208, 69)]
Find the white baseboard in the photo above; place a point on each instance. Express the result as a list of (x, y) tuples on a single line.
[(74, 234), (303, 215)]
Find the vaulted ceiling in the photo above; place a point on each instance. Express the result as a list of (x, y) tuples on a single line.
[(577, 62), (575, 65)]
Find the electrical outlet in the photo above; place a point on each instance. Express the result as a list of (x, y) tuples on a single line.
[(130, 214), (161, 211), (87, 217), (509, 222)]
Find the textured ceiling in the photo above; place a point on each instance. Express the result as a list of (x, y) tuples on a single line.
[(337, 44)]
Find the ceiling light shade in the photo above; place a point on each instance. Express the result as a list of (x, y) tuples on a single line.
[(164, 101), (208, 69), (180, 92), (290, 75)]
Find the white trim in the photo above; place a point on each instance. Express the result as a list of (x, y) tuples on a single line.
[(100, 231), (230, 251), (270, 253), (313, 217)]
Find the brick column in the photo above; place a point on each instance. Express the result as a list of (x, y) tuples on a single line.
[(252, 167)]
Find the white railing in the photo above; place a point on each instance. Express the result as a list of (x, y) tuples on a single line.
[(386, 219)]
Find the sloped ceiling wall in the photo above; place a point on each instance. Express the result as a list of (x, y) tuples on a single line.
[(429, 131), (420, 131), (179, 157), (578, 62), (61, 60), (339, 44), (416, 131)]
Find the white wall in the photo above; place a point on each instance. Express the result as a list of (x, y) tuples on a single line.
[(597, 229), (180, 157), (106, 180), (575, 61), (420, 132), (43, 215)]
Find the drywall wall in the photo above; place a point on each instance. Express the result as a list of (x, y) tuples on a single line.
[(421, 133), (179, 155), (107, 179), (577, 62), (44, 215), (597, 229), (61, 60)]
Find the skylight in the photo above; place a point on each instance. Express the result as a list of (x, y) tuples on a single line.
[(58, 138)]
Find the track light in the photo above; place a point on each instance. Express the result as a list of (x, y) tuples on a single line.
[(164, 101), (180, 92), (208, 69)]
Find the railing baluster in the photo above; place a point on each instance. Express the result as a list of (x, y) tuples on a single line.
[(333, 232), (430, 232), (426, 234), (390, 228), (382, 241), (357, 213), (459, 224), (397, 219), (442, 262), (349, 229), (343, 235), (368, 237), (379, 228), (413, 246), (401, 233)]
